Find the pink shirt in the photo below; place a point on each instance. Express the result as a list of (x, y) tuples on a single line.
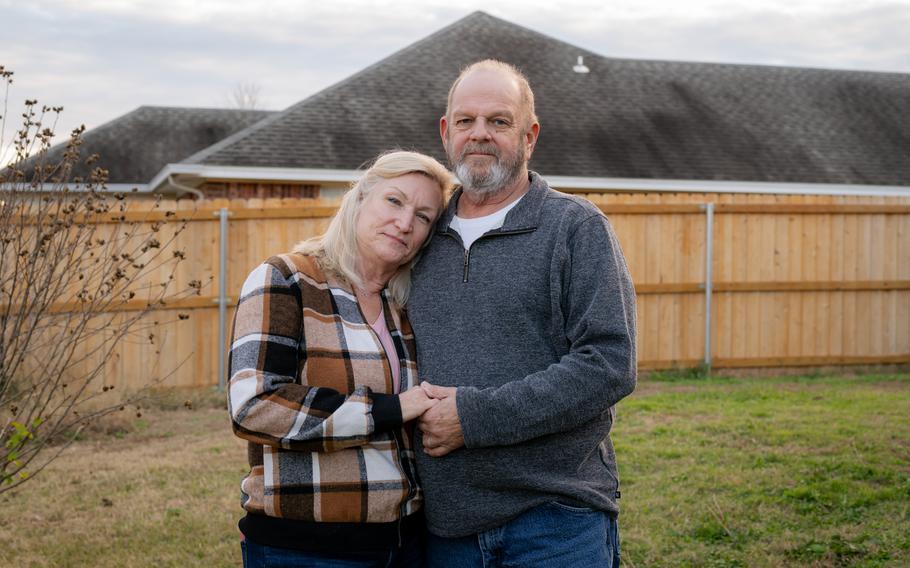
[(385, 338)]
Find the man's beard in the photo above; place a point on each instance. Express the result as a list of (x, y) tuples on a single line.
[(488, 181)]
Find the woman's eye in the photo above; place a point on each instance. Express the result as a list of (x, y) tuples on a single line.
[(394, 200), (423, 218)]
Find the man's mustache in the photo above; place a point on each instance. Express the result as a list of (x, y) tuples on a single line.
[(479, 148)]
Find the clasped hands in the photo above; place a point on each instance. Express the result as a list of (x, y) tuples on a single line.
[(437, 415)]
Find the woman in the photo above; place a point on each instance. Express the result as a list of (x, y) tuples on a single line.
[(323, 380)]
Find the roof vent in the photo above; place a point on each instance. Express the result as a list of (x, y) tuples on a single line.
[(580, 67)]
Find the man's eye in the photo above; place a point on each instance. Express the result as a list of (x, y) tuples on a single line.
[(500, 123), (463, 122)]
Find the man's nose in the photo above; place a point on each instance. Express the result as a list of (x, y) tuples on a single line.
[(479, 130)]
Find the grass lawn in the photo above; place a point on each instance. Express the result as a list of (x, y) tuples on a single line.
[(810, 471), (806, 471)]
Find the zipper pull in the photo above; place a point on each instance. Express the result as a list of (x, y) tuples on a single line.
[(467, 254)]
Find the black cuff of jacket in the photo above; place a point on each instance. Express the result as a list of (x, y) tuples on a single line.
[(386, 412)]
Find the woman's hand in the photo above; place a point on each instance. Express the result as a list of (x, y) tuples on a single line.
[(414, 402)]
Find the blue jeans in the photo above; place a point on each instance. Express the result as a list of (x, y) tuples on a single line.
[(258, 556), (550, 535)]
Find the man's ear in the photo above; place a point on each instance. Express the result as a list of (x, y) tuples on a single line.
[(531, 138), (443, 129)]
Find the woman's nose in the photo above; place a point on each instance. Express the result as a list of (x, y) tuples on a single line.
[(405, 222)]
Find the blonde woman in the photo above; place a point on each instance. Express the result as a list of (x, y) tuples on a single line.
[(323, 382)]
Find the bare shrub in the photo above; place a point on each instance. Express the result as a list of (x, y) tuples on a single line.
[(81, 270)]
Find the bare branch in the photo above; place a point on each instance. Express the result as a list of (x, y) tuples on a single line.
[(78, 281), (245, 96)]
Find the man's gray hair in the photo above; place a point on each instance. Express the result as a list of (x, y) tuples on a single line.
[(527, 95)]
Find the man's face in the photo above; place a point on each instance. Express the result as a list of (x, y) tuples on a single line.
[(486, 137)]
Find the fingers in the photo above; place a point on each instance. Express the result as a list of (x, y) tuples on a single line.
[(435, 391), (440, 430), (427, 404), (437, 452), (414, 402), (433, 447)]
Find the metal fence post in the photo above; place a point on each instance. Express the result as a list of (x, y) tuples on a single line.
[(709, 259), (223, 300)]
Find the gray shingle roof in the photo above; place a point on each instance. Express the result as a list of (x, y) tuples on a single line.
[(136, 146), (626, 118)]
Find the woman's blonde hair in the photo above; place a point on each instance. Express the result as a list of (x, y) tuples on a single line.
[(336, 250)]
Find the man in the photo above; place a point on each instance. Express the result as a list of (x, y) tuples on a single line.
[(524, 315)]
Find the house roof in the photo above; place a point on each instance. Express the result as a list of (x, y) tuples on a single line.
[(625, 119), (136, 146)]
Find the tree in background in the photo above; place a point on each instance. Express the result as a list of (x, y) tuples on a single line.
[(245, 96), (80, 273)]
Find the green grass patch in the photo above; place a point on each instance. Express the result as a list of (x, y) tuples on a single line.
[(785, 471)]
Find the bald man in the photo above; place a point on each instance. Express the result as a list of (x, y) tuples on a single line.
[(524, 315)]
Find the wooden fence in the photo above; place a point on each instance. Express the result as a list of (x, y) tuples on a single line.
[(796, 280)]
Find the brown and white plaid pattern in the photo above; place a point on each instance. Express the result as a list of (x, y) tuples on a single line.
[(311, 389)]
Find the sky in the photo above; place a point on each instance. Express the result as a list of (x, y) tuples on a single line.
[(102, 58)]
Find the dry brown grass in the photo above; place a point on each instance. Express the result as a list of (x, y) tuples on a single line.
[(166, 493)]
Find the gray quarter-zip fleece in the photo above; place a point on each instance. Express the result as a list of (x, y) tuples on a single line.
[(535, 325)]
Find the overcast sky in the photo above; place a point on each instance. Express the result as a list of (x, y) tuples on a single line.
[(103, 58)]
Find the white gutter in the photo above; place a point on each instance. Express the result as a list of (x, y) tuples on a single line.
[(184, 188), (593, 184), (204, 172), (714, 186), (169, 170)]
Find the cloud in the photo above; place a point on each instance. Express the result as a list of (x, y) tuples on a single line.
[(868, 36), (101, 58)]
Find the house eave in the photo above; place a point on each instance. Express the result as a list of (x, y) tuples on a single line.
[(194, 175), (714, 186)]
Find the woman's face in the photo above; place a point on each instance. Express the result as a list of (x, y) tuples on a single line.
[(395, 219)]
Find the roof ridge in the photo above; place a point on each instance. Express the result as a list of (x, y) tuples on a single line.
[(223, 109), (591, 52), (93, 131), (727, 64), (220, 145), (757, 66)]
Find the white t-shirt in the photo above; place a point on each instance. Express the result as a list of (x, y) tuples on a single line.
[(472, 229)]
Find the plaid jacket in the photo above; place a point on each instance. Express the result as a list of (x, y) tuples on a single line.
[(311, 390)]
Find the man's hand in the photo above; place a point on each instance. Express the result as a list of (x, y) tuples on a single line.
[(440, 425)]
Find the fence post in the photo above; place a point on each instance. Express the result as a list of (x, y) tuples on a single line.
[(223, 300), (709, 259)]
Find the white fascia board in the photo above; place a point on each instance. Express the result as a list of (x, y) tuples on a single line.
[(204, 172), (280, 174), (172, 169), (209, 172), (714, 186)]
